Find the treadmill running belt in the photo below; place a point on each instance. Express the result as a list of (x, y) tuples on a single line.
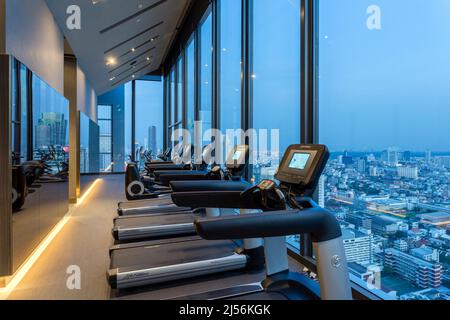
[(155, 220), (145, 203), (171, 254)]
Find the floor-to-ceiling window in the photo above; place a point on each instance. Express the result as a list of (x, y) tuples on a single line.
[(275, 82), (128, 126), (383, 102), (205, 82), (172, 100), (190, 87), (230, 65), (24, 113), (106, 143), (149, 116), (180, 97)]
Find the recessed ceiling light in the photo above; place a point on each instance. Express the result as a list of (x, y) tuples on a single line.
[(111, 61), (133, 76), (112, 79), (133, 49), (148, 58), (152, 39)]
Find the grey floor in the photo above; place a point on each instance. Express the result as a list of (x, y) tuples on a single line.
[(83, 242)]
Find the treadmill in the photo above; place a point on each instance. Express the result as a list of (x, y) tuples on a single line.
[(141, 191), (235, 166), (144, 187), (156, 262)]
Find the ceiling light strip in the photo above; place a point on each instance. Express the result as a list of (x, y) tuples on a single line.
[(124, 78), (131, 60), (115, 25), (134, 37), (139, 46)]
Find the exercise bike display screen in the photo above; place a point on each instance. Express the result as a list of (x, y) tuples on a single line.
[(299, 161)]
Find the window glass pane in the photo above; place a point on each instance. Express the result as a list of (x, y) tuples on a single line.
[(106, 142), (384, 103), (190, 87), (89, 145), (149, 116), (206, 51), (276, 81), (172, 98), (230, 66), (180, 90), (14, 107), (128, 102), (50, 125), (23, 113)]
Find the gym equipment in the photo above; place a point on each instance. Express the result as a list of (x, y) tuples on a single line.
[(19, 187), (172, 224), (157, 261), (235, 166)]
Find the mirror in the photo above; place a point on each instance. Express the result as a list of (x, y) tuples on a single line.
[(89, 152), (40, 145)]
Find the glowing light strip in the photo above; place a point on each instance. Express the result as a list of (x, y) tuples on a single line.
[(28, 264), (88, 192), (24, 268)]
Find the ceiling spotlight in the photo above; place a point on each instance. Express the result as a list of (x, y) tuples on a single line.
[(111, 61), (152, 39), (112, 78), (148, 58), (133, 76), (133, 49)]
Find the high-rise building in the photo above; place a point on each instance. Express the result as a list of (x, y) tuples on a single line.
[(401, 245), (152, 138), (347, 159), (362, 165), (357, 246), (373, 171), (408, 172), (321, 191), (422, 273), (392, 156), (428, 156), (51, 130)]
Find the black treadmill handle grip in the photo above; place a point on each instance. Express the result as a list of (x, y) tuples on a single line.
[(318, 222)]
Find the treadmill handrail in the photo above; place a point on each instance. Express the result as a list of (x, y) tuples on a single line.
[(318, 222)]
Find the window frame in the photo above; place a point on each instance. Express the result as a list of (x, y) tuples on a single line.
[(309, 104)]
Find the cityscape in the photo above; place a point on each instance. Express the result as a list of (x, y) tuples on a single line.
[(394, 210)]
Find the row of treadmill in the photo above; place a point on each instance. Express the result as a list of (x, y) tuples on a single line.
[(201, 232)]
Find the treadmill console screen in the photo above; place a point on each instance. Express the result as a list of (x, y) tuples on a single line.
[(302, 165), (237, 158), (299, 160), (237, 155)]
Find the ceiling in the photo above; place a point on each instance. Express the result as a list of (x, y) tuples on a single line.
[(120, 40)]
